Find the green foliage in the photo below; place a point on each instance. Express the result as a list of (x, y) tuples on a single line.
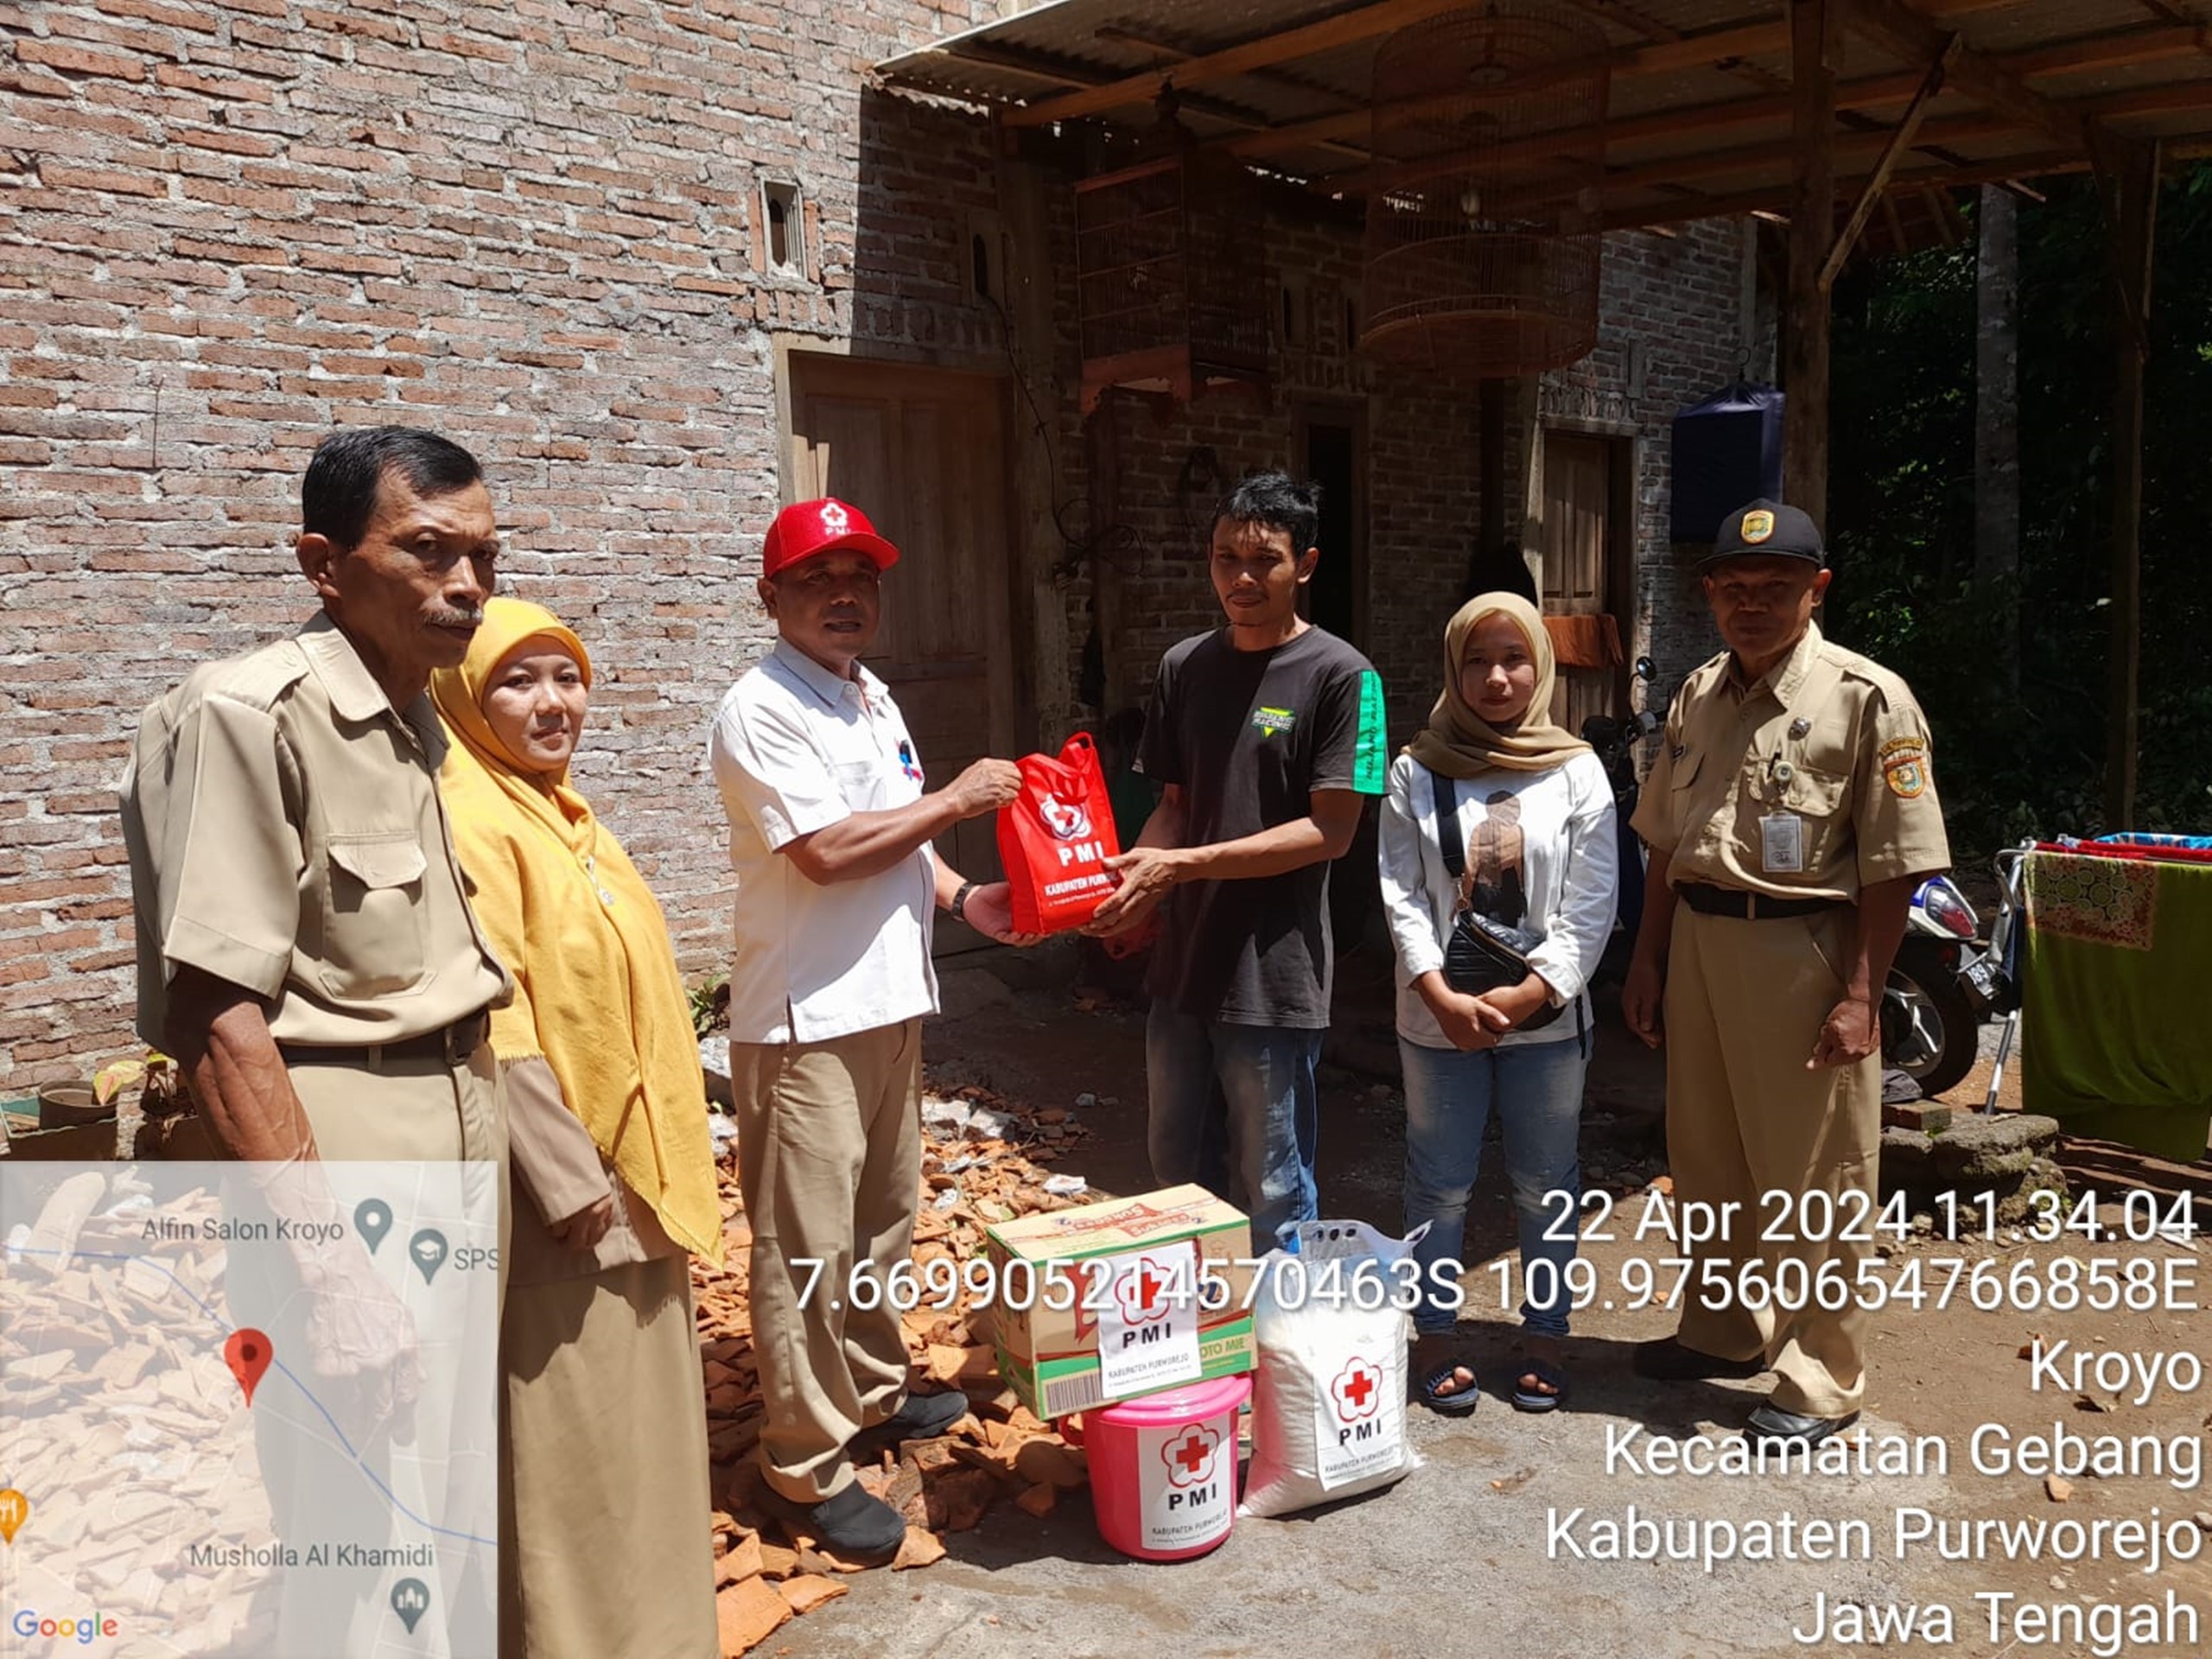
[(709, 1000), (1901, 512)]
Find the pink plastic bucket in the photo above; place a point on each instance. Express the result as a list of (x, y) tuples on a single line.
[(1163, 1469)]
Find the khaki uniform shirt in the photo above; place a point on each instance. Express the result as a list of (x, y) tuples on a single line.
[(286, 834), (1812, 783)]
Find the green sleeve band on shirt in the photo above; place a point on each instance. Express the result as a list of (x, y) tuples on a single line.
[(1371, 759)]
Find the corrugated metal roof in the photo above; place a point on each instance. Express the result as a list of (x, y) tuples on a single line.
[(1715, 113)]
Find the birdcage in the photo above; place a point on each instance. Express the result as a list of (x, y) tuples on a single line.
[(1482, 230), (1170, 276)]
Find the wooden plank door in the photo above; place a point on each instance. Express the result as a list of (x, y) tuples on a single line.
[(1581, 536), (922, 453)]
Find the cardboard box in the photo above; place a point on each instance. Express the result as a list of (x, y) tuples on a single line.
[(1048, 1354)]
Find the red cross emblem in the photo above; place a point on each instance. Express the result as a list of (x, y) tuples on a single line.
[(1357, 1390), (1144, 1291), (1190, 1456)]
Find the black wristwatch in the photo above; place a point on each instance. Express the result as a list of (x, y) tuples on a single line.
[(959, 905)]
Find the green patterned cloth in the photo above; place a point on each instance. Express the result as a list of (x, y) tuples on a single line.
[(2114, 1001)]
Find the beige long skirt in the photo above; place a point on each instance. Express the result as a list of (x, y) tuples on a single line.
[(604, 1543)]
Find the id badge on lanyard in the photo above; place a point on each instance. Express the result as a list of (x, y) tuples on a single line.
[(1782, 833)]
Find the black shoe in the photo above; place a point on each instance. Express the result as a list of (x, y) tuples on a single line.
[(856, 1526), (1665, 1360), (919, 1417), (1770, 1425)]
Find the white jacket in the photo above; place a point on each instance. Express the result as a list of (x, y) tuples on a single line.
[(1570, 868)]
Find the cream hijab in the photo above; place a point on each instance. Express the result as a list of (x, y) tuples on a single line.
[(1459, 742)]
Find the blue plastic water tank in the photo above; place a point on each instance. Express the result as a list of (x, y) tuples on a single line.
[(1727, 451)]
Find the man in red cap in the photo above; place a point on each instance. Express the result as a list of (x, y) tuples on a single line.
[(829, 834)]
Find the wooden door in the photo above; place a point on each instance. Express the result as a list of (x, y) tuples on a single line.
[(922, 453), (1583, 537)]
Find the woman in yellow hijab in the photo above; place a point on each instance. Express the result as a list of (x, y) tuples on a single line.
[(605, 1543)]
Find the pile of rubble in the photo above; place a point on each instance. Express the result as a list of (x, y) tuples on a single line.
[(981, 1163)]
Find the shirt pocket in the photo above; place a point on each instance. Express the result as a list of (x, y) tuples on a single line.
[(373, 923), (860, 782), (1822, 800)]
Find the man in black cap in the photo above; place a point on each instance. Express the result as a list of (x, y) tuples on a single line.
[(1789, 817)]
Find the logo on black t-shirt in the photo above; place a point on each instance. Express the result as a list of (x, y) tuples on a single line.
[(1270, 721)]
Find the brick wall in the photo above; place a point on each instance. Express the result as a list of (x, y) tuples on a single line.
[(225, 226), (1671, 330)]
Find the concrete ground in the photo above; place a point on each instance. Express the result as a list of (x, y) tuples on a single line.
[(1455, 1560)]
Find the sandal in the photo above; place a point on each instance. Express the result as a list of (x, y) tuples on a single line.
[(1546, 1371), (1460, 1402)]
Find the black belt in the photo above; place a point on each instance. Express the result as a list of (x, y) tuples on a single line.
[(1748, 906), (450, 1046)]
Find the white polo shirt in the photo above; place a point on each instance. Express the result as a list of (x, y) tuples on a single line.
[(795, 749)]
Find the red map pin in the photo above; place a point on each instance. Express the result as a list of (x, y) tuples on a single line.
[(248, 1353)]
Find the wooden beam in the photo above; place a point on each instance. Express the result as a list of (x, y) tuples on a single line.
[(1773, 200), (1879, 181), (2114, 51), (1901, 29), (2170, 97), (2134, 170), (1172, 54), (1855, 147), (1329, 32), (1814, 46), (1042, 67)]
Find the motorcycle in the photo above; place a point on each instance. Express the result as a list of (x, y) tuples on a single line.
[(1947, 980)]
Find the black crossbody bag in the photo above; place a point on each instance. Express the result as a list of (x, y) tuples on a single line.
[(1482, 955)]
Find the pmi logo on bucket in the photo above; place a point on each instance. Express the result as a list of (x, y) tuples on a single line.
[(1067, 820), (1190, 1458), (1356, 1391)]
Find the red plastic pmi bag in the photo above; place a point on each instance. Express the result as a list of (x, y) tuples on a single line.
[(1056, 837)]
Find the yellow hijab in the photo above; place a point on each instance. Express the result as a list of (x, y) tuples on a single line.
[(1460, 743), (586, 941)]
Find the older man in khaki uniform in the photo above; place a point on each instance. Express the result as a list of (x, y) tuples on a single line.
[(306, 950), (1789, 817)]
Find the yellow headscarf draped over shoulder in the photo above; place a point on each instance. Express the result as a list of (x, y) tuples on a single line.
[(597, 991), (1459, 742)]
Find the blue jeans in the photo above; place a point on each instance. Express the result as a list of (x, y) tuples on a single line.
[(1223, 1092), (1536, 1090)]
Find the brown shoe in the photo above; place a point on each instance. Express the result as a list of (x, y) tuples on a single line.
[(1665, 1360)]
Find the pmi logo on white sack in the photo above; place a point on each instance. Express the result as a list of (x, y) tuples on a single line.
[(1357, 1392)]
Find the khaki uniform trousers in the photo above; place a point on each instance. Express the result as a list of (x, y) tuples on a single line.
[(399, 1112), (1745, 1002), (829, 1160)]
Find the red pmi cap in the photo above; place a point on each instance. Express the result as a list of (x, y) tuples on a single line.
[(807, 528)]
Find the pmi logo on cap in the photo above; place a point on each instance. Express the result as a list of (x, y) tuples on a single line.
[(1066, 819), (835, 518), (1758, 525)]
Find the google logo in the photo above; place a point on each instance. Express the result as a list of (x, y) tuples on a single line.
[(84, 1631)]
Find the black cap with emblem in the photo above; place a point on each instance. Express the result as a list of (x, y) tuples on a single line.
[(1765, 529)]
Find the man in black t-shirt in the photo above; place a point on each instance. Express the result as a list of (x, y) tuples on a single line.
[(1265, 733)]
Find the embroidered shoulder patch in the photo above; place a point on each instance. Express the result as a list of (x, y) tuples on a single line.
[(1904, 766)]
